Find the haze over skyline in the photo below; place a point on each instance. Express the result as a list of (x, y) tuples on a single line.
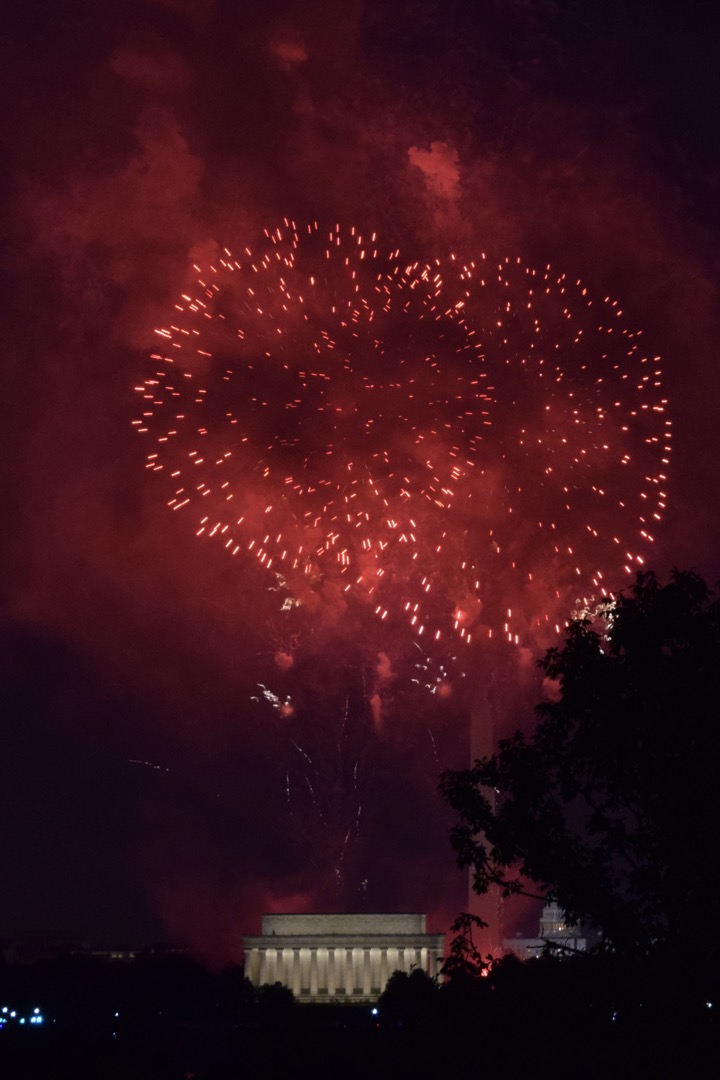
[(145, 792)]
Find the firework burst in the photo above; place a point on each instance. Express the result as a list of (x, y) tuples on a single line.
[(471, 447)]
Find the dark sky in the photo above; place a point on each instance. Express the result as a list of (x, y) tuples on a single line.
[(144, 792)]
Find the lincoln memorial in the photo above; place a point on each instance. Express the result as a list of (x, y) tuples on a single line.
[(340, 957)]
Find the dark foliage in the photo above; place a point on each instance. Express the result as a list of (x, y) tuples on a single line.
[(274, 1004), (611, 805), (408, 1000), (593, 1016), (464, 962)]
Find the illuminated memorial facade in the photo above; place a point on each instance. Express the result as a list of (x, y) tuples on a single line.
[(340, 957)]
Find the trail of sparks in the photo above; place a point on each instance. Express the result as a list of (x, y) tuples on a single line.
[(470, 446)]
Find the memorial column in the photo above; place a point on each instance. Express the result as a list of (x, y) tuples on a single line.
[(296, 982), (366, 983), (384, 975)]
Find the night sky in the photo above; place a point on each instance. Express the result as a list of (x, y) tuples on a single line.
[(149, 789)]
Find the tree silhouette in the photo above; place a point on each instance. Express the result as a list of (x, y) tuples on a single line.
[(275, 1003), (408, 998), (610, 806)]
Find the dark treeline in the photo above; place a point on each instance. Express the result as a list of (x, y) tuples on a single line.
[(591, 1015)]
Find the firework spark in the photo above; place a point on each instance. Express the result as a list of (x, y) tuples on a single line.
[(472, 447)]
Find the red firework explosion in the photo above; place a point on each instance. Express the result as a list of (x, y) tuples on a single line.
[(477, 446)]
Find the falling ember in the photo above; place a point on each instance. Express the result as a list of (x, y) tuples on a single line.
[(466, 446)]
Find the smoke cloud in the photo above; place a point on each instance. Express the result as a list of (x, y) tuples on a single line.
[(142, 139)]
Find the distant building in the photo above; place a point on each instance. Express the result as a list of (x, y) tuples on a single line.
[(340, 957), (555, 934), (35, 950)]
